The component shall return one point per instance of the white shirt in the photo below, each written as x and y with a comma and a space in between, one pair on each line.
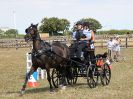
116, 45
85, 32
110, 44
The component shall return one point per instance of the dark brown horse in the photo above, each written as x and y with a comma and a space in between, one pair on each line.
44, 55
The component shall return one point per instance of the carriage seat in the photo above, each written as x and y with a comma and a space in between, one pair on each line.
100, 58
104, 55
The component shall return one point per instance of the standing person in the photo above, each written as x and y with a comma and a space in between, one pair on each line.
110, 48
116, 47
118, 42
81, 38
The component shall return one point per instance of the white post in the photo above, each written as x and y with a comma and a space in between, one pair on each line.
29, 62
46, 74
42, 74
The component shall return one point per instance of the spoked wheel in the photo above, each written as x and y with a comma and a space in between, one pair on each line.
105, 74
92, 76
72, 75
56, 76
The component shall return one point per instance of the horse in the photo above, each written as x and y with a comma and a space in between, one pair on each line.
44, 55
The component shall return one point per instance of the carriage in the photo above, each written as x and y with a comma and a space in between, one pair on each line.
66, 67
81, 67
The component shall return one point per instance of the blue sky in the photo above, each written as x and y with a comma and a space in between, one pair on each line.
112, 14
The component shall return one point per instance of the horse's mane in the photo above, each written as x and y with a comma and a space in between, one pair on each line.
104, 55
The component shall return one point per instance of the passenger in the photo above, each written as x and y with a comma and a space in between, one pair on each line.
81, 38
91, 39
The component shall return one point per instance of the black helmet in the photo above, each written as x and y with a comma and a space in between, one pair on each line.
79, 23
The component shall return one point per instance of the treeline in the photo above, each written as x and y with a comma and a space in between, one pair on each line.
11, 33
112, 32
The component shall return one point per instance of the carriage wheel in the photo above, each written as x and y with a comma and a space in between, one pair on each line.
55, 77
72, 75
92, 76
105, 74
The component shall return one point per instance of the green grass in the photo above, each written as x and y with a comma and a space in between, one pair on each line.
13, 68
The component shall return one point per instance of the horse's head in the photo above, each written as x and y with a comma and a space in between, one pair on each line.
31, 32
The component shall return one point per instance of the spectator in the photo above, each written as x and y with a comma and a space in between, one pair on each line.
116, 47
110, 48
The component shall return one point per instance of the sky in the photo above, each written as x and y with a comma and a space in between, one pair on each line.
112, 14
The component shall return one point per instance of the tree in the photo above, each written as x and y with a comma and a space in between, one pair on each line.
1, 32
114, 31
11, 33
53, 25
94, 24
65, 24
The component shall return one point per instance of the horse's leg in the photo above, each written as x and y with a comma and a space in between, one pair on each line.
49, 79
32, 70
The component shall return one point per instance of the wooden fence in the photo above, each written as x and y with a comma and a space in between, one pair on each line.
13, 43
100, 42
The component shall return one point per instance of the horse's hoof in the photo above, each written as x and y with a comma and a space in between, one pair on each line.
22, 92
62, 87
52, 91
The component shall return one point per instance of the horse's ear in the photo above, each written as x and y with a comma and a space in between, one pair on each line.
31, 24
36, 24
26, 30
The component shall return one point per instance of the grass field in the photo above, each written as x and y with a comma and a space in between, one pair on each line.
13, 68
